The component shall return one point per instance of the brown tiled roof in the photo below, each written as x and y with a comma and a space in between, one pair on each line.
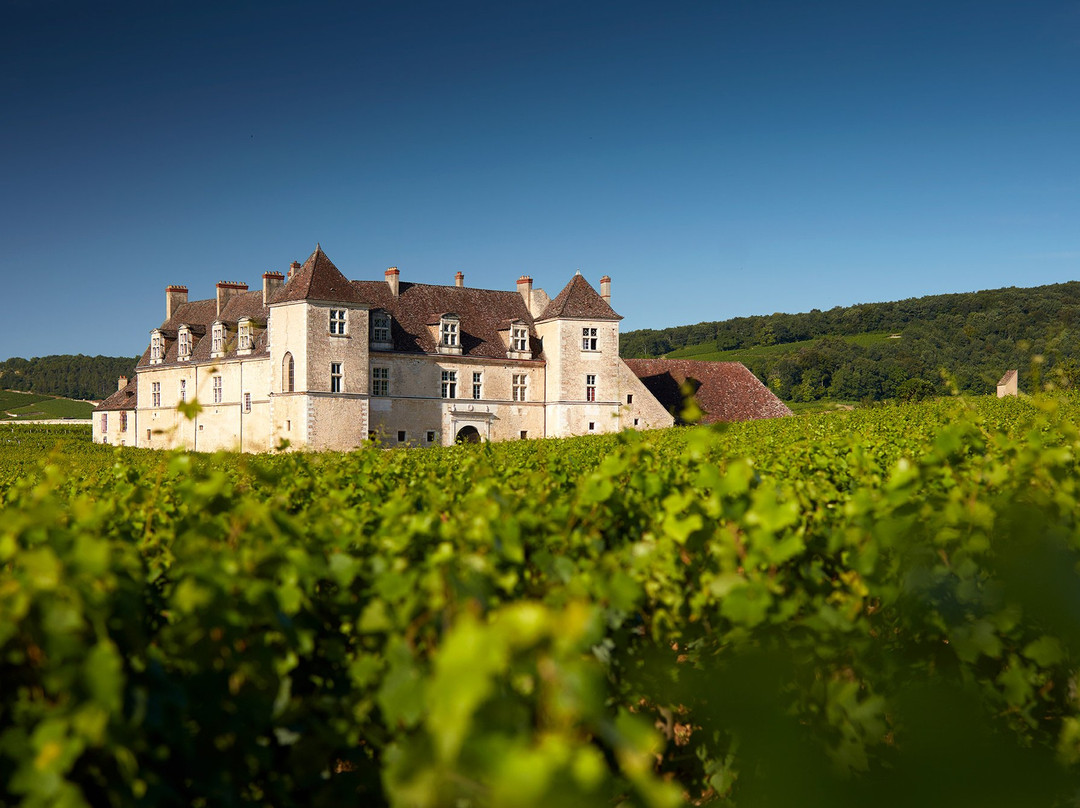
124, 399
482, 314
318, 279
1009, 376
727, 391
200, 316
578, 299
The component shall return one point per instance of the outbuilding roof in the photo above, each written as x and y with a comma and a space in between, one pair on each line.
726, 391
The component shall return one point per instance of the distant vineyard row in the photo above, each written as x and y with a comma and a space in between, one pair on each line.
870, 608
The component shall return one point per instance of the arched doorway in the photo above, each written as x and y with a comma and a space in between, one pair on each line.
467, 434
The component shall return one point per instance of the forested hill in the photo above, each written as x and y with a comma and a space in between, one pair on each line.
89, 377
905, 349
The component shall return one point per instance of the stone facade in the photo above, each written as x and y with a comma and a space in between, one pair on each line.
321, 362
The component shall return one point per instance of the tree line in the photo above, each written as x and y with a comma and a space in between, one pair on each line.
962, 342
78, 376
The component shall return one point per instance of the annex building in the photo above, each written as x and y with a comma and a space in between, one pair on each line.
325, 362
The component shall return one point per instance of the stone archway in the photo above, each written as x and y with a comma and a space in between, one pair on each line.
467, 434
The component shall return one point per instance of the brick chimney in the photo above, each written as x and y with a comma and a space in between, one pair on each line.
121, 383
175, 296
392, 277
225, 290
272, 281
524, 286
295, 265
459, 279
605, 289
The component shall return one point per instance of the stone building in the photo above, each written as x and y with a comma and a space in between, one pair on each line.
323, 362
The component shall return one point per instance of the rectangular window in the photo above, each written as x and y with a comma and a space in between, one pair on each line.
380, 381
635, 422
431, 436
519, 338
588, 339
518, 385
590, 387
449, 384
335, 377
157, 345
148, 436
380, 328
247, 339
401, 436
337, 321
183, 390
155, 394
477, 385
217, 390
185, 345
123, 422
247, 402
104, 422
218, 340
449, 332
524, 434
629, 398
592, 426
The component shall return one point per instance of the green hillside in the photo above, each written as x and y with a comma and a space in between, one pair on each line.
16, 406
70, 376
905, 349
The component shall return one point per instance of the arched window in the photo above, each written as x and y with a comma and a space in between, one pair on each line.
288, 378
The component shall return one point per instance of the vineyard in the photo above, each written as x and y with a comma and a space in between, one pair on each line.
879, 607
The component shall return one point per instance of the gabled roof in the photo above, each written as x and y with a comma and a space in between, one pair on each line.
726, 391
318, 279
123, 399
481, 314
578, 299
1008, 377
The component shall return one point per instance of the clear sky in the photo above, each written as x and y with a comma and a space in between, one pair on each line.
717, 158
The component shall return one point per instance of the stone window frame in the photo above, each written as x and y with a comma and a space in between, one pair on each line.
519, 337
381, 322
246, 338
247, 402
157, 347
339, 319
123, 422
288, 373
155, 394
449, 384
219, 389
519, 386
450, 331
590, 387
183, 351
380, 381
217, 340
477, 385
337, 377
590, 338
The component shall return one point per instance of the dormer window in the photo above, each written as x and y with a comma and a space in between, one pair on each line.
157, 347
448, 331
184, 340
217, 344
449, 334
519, 338
246, 340
380, 330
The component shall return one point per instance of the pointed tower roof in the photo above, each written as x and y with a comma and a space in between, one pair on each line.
578, 299
318, 279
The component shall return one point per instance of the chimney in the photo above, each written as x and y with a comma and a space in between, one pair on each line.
525, 288
392, 276
272, 281
295, 265
121, 383
175, 296
459, 279
605, 289
225, 290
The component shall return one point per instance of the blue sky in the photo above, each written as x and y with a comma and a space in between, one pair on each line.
717, 159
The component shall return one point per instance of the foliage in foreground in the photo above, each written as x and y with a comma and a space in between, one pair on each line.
879, 607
